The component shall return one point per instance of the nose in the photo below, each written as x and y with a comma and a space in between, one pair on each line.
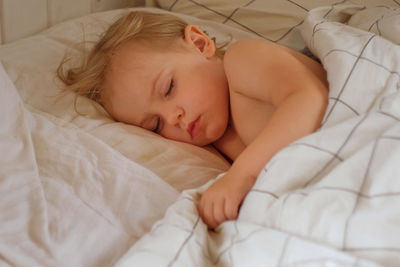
175, 115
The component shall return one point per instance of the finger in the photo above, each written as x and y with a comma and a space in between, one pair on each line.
202, 207
231, 210
203, 203
219, 211
209, 215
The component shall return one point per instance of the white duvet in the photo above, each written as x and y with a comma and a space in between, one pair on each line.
329, 199
68, 199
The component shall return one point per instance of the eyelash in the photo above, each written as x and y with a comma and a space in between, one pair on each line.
167, 93
171, 86
156, 129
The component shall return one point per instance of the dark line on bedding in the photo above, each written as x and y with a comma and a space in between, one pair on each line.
290, 30
249, 3
333, 7
389, 115
337, 153
172, 6
372, 25
357, 201
222, 15
377, 26
364, 58
184, 243
359, 194
264, 192
398, 3
348, 78
329, 11
229, 18
347, 190
236, 9
318, 148
378, 29
251, 30
296, 4
206, 7
316, 25
345, 104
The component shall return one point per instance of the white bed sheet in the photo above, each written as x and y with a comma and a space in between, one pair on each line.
71, 194
68, 199
31, 64
329, 199
78, 190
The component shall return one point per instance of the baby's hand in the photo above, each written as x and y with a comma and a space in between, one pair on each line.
221, 201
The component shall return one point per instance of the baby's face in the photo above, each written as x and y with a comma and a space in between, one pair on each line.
182, 95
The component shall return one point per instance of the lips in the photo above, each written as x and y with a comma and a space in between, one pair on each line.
194, 127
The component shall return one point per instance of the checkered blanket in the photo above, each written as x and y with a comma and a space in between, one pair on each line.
329, 199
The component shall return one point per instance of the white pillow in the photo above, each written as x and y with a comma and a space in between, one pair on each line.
31, 64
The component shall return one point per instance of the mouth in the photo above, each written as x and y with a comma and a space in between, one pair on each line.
194, 127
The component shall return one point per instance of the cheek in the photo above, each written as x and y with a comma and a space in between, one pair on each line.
223, 116
173, 134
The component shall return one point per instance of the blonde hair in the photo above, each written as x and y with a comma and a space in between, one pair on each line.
87, 79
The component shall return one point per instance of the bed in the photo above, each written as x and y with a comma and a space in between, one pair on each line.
84, 190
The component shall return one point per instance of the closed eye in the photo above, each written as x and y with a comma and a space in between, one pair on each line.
156, 128
171, 86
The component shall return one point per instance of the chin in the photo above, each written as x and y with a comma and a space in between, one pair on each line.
216, 133
203, 141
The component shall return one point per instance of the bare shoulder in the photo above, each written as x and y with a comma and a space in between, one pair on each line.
243, 54
250, 45
252, 63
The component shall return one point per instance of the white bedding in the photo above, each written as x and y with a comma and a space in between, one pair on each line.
329, 199
78, 190
66, 197
31, 64
71, 193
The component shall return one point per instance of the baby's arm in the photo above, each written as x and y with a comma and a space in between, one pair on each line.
263, 71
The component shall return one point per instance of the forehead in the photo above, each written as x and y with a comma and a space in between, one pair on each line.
132, 55
133, 70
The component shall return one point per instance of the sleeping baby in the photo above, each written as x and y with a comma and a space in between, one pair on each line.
157, 72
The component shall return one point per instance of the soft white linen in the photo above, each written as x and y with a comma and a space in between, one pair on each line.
329, 199
68, 199
71, 192
31, 64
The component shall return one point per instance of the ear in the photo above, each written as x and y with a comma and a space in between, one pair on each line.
198, 39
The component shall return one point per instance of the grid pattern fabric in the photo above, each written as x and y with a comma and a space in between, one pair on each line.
274, 20
329, 199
